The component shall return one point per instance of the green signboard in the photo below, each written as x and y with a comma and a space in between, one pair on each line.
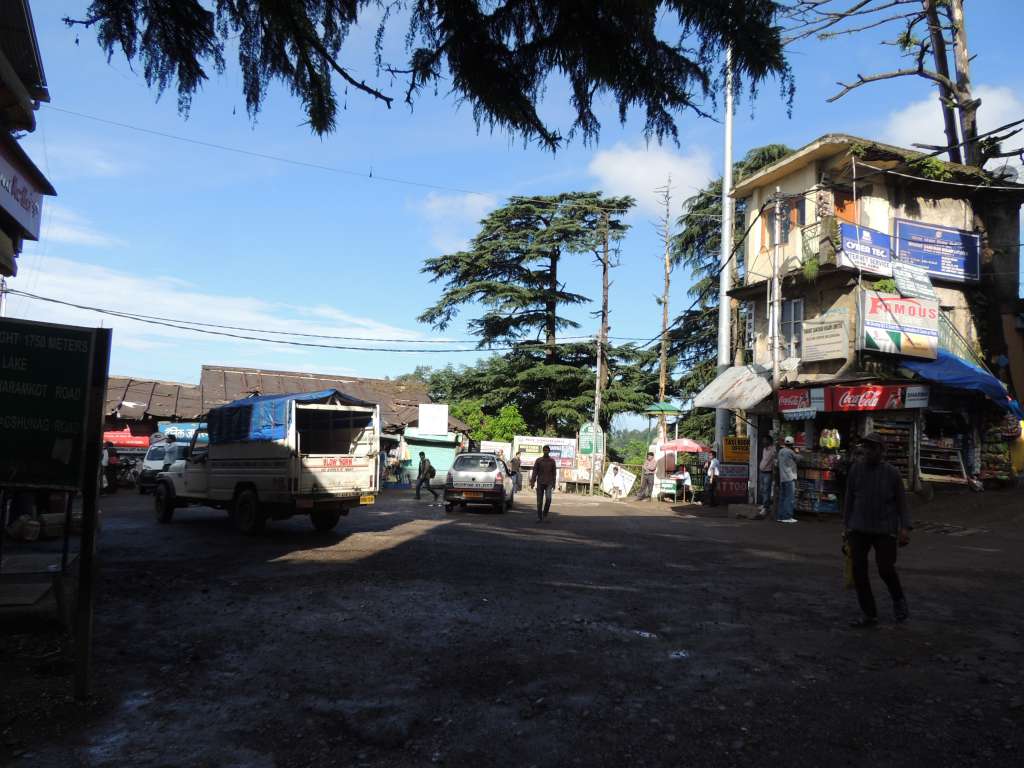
587, 440
45, 373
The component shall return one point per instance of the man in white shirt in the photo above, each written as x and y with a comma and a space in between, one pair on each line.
787, 482
711, 483
687, 484
766, 469
618, 484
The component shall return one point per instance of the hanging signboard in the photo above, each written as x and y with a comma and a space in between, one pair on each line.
913, 282
802, 399
736, 449
876, 397
182, 431
867, 250
824, 338
946, 253
123, 438
45, 393
563, 449
899, 326
587, 439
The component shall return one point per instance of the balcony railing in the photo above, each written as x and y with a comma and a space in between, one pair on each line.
954, 343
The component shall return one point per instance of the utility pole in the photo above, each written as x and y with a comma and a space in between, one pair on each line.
776, 317
3, 297
602, 334
724, 273
666, 239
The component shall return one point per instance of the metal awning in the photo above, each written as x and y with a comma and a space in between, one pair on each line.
737, 388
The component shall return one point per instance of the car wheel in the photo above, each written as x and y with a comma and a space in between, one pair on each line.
247, 515
163, 503
324, 520
449, 508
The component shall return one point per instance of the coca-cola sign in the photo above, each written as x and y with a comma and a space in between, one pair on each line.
794, 399
873, 397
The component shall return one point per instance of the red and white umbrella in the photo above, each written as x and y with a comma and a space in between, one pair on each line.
683, 445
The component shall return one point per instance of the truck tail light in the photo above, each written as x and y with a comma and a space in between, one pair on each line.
498, 479
450, 478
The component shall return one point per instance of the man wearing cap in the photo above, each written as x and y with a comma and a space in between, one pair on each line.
875, 515
787, 482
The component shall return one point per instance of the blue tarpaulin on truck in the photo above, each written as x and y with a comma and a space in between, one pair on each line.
265, 417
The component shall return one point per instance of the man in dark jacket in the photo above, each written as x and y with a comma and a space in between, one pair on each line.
875, 515
423, 476
544, 477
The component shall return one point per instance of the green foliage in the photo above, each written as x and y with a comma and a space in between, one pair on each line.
932, 168
507, 424
885, 285
810, 267
858, 149
497, 55
471, 412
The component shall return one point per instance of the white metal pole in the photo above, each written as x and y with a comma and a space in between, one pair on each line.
3, 297
725, 273
777, 292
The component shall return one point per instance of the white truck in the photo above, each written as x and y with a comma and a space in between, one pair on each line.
272, 457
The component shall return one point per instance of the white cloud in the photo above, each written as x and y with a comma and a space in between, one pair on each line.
77, 160
453, 218
639, 170
62, 225
920, 122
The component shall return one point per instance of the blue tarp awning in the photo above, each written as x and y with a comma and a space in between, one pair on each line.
265, 417
951, 371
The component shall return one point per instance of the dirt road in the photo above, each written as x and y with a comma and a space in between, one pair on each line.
613, 635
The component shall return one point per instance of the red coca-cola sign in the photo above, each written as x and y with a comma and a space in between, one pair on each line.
794, 399
866, 397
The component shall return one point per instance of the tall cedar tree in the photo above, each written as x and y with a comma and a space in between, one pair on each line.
697, 246
658, 57
511, 272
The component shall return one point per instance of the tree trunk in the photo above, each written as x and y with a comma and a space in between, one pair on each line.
966, 103
946, 98
551, 331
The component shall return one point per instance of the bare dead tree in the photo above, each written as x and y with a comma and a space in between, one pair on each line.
664, 228
927, 31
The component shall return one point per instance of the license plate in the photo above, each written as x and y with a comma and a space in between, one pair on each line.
473, 495
366, 499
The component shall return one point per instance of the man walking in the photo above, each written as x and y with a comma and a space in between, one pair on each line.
787, 482
647, 478
875, 514
543, 478
515, 466
425, 475
711, 473
765, 470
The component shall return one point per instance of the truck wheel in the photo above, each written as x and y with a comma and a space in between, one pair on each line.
324, 520
163, 503
247, 515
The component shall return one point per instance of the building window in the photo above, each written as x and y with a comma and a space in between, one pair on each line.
792, 326
792, 218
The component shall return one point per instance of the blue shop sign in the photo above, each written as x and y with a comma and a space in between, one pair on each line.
864, 249
181, 431
947, 253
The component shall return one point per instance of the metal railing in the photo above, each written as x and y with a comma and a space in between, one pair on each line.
951, 340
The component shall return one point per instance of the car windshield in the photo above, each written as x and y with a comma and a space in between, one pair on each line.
476, 463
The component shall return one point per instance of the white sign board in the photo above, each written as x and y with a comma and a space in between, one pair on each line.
899, 326
563, 449
433, 419
628, 478
825, 339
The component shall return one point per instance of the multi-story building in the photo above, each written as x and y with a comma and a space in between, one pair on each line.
899, 277
22, 88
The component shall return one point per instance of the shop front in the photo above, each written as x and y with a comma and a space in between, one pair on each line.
827, 422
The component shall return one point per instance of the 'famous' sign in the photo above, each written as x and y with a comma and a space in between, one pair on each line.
898, 325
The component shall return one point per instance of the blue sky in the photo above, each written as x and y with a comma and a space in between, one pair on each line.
162, 227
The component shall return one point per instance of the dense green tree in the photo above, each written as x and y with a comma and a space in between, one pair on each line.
697, 246
507, 424
659, 57
511, 273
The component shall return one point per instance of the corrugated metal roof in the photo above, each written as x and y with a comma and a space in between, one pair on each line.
135, 399
736, 388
